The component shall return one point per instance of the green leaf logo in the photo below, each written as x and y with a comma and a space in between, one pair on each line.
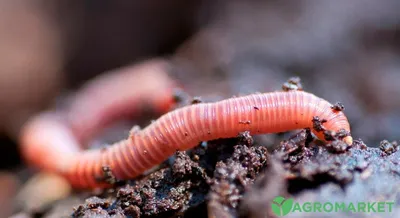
281, 206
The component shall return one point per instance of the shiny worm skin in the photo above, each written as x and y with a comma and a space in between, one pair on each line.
120, 94
48, 139
184, 128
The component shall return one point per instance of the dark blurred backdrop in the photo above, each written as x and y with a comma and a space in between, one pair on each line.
343, 50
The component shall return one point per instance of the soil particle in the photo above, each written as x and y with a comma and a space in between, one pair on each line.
182, 98
246, 138
387, 147
95, 202
335, 143
337, 146
338, 106
296, 148
196, 100
329, 135
359, 144
342, 133
293, 83
318, 124
93, 207
108, 177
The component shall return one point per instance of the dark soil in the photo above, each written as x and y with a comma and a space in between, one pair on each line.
234, 178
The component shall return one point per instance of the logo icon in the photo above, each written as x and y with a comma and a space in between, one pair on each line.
281, 206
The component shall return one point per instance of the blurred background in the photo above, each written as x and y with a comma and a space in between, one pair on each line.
345, 51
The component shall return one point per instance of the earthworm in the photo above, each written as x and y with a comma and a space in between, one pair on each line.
119, 94
183, 129
51, 136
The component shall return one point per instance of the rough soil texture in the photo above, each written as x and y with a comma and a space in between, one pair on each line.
239, 178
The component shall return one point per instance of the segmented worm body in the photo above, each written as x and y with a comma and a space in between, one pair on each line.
184, 128
51, 138
120, 94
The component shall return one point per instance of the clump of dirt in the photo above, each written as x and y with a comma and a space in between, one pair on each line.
163, 193
293, 83
232, 176
215, 173
338, 106
357, 175
388, 148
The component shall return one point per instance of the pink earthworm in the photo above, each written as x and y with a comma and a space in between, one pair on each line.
120, 94
182, 129
117, 95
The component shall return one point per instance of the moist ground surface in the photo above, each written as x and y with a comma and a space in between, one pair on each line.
239, 177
